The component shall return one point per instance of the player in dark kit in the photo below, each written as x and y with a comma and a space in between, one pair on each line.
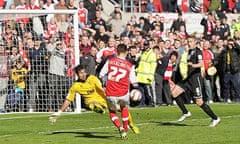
193, 83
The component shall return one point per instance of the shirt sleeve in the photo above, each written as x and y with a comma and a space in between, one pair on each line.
132, 76
199, 56
104, 70
71, 93
99, 55
99, 87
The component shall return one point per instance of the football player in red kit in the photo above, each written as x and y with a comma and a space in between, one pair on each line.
120, 74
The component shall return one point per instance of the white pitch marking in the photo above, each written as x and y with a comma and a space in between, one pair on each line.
22, 117
140, 124
33, 116
5, 136
107, 127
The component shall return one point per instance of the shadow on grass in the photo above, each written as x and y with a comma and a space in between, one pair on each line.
175, 123
85, 134
172, 124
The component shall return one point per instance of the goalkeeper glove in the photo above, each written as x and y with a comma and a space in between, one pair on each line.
53, 118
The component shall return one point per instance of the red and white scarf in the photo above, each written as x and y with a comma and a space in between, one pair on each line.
210, 26
168, 72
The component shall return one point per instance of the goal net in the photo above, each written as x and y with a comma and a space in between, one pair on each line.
38, 51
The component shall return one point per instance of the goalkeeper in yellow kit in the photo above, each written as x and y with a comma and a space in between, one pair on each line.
90, 88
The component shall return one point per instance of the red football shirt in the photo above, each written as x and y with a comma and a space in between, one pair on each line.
120, 74
82, 14
207, 58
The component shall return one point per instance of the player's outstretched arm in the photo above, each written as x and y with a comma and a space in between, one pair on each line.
53, 118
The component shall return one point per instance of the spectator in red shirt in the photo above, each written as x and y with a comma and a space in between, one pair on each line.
2, 4
82, 14
158, 5
85, 45
22, 6
33, 5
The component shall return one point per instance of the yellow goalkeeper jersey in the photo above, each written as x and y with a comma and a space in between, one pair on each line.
18, 76
91, 90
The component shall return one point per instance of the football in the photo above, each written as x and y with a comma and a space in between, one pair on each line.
135, 95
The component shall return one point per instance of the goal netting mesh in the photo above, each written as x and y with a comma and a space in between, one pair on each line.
38, 51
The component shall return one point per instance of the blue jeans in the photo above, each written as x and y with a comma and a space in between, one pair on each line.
15, 98
208, 88
231, 80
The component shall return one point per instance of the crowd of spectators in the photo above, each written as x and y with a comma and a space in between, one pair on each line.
45, 45
196, 6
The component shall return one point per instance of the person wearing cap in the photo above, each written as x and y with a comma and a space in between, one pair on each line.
145, 73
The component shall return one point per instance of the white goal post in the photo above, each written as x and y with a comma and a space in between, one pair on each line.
17, 14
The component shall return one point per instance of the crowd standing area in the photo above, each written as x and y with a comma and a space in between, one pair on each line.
37, 59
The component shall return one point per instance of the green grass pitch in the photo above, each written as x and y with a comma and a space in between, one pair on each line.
157, 126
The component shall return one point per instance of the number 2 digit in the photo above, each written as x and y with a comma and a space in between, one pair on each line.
116, 74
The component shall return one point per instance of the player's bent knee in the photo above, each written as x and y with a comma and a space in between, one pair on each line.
174, 95
176, 91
